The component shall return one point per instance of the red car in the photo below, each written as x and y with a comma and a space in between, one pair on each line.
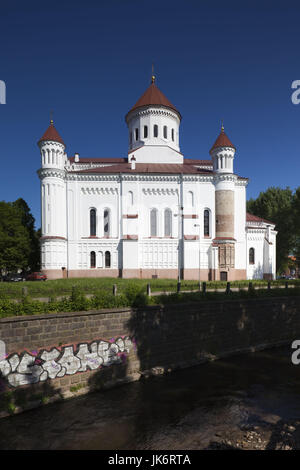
36, 277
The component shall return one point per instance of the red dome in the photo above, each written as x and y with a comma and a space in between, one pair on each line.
52, 134
153, 96
222, 141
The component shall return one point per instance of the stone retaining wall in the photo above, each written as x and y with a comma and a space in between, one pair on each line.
54, 356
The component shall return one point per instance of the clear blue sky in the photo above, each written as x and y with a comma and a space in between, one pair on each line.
90, 61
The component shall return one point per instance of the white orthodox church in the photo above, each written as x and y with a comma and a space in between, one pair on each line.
153, 213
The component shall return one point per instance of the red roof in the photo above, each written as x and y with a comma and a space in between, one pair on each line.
153, 96
192, 161
187, 161
170, 168
99, 160
222, 141
254, 218
52, 134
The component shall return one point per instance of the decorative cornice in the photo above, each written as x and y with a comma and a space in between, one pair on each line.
241, 182
101, 191
152, 111
51, 143
51, 173
225, 177
221, 150
86, 177
139, 177
160, 191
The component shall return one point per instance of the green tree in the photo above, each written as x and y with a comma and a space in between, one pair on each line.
28, 221
277, 205
296, 214
15, 245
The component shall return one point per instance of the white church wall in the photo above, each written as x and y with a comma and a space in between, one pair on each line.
255, 239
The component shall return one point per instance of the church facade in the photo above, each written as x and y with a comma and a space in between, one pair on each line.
153, 213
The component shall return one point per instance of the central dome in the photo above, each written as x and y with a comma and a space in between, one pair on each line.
153, 124
154, 97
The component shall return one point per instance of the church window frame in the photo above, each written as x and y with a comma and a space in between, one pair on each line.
251, 255
145, 132
155, 130
207, 222
153, 222
165, 132
92, 259
107, 259
106, 222
168, 222
93, 222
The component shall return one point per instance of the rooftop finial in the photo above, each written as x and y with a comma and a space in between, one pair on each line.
51, 117
222, 126
153, 76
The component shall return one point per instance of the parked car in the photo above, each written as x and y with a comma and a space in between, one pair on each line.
37, 276
13, 277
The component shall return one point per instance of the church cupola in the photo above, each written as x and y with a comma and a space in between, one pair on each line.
52, 148
222, 153
153, 122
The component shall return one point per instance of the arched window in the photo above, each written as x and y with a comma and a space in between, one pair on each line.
136, 134
165, 132
155, 130
130, 198
92, 222
153, 223
173, 135
251, 256
145, 132
190, 198
107, 259
106, 222
168, 222
206, 223
93, 259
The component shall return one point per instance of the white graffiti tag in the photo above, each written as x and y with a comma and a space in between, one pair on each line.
89, 360
27, 372
27, 369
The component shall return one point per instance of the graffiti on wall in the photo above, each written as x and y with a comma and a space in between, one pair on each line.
38, 366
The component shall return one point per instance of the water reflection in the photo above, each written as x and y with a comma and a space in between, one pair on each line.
250, 401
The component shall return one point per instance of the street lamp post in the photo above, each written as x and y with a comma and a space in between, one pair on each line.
180, 240
198, 225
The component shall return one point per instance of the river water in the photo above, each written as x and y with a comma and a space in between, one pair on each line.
245, 402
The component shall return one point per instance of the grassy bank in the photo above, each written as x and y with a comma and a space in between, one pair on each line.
92, 286
133, 295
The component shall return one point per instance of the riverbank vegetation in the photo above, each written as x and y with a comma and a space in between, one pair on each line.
133, 294
92, 286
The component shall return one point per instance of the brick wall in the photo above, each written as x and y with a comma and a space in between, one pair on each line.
116, 346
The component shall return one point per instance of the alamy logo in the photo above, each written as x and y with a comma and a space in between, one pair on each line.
2, 92
296, 94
